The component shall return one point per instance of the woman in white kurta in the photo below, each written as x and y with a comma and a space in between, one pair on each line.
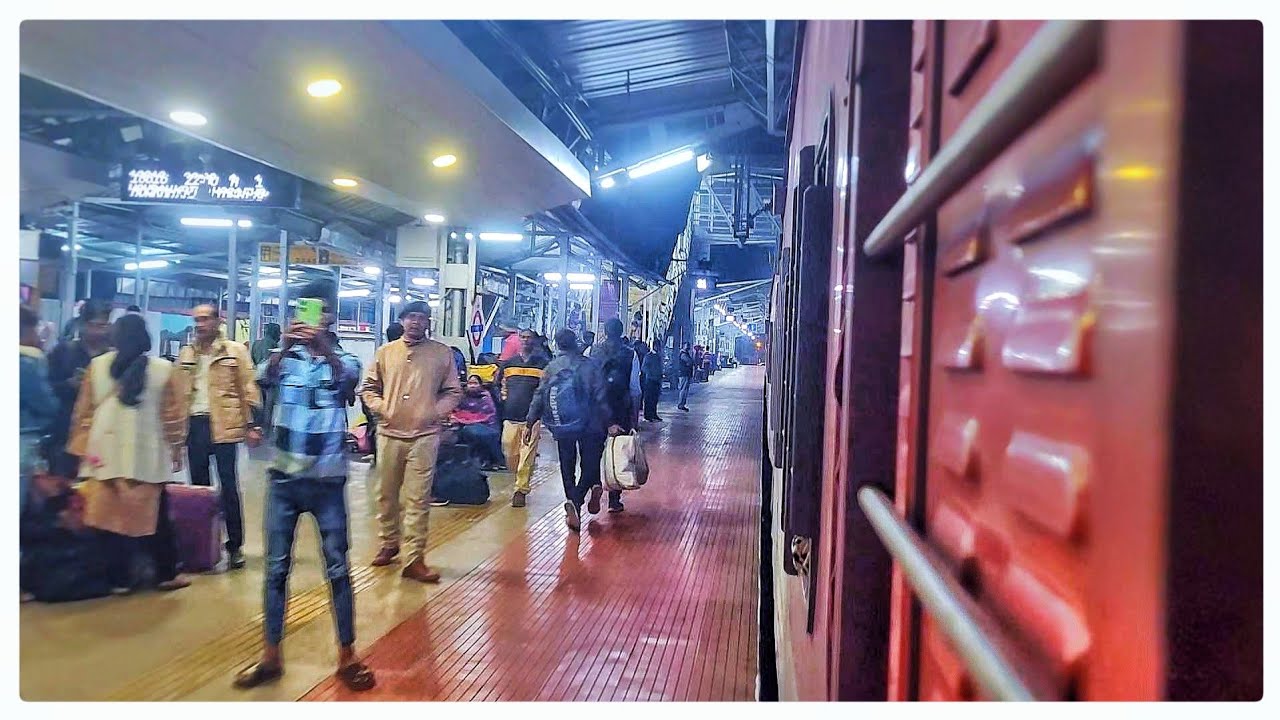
128, 429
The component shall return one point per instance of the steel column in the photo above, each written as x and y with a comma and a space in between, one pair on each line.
69, 287
137, 268
233, 276
283, 314
562, 308
255, 295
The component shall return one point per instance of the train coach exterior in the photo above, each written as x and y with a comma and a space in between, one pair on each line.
1023, 460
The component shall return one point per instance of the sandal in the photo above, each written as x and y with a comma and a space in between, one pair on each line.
257, 674
357, 677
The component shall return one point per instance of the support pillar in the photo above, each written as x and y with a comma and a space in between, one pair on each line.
562, 302
233, 276
69, 286
255, 295
137, 268
282, 316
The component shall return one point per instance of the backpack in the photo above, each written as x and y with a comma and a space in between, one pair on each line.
568, 413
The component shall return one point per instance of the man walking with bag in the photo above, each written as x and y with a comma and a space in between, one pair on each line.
412, 388
224, 403
572, 404
617, 364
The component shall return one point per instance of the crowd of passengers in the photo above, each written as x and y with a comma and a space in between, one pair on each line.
105, 428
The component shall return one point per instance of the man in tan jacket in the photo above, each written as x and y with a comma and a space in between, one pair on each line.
224, 403
411, 387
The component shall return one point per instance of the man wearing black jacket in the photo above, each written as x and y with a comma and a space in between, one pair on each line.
518, 378
615, 359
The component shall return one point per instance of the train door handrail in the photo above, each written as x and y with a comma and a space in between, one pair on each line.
1055, 60
973, 633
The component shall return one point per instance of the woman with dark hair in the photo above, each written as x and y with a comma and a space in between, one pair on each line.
477, 419
128, 429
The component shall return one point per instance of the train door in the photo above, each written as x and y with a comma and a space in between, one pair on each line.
1045, 468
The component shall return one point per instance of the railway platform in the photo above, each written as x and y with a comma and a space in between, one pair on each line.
656, 603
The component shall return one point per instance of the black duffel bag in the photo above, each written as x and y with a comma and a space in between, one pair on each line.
458, 477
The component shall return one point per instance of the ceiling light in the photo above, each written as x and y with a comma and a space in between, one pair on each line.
433, 296
433, 218
147, 265
581, 286
79, 247
345, 182
579, 277
608, 182
393, 299
268, 283
704, 162
245, 223
354, 293
188, 117
206, 222
702, 283
372, 270
660, 163
729, 318
324, 88
424, 282
453, 236
444, 161
469, 236
433, 303
551, 276
501, 236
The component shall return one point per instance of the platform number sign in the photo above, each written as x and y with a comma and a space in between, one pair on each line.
477, 327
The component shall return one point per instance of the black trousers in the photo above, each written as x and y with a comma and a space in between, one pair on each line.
649, 397
200, 449
160, 548
590, 449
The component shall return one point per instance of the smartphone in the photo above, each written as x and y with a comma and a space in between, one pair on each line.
310, 311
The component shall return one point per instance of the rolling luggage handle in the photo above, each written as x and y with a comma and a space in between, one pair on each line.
972, 632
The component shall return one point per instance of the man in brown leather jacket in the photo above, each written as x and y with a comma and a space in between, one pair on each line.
225, 405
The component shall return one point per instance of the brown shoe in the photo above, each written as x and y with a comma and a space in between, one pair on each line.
386, 556
418, 570
517, 500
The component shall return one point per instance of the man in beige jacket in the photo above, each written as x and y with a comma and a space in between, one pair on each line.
411, 387
224, 402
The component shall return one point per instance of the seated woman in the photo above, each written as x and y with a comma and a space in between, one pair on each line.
476, 418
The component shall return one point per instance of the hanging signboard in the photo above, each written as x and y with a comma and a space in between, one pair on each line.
476, 330
248, 185
269, 254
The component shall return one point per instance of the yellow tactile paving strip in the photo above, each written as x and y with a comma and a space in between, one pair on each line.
181, 676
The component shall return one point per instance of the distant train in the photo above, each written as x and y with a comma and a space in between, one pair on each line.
1013, 444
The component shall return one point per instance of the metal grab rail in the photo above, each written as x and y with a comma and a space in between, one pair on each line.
973, 633
1057, 58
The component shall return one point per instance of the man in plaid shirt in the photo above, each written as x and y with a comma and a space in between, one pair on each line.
313, 378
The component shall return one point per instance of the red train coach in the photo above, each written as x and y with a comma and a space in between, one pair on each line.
1013, 442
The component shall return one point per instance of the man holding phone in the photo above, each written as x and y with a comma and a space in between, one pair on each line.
308, 474
412, 387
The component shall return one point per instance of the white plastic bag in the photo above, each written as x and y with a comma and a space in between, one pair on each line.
623, 465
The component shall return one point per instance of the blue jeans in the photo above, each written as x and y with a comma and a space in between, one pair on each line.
685, 382
326, 500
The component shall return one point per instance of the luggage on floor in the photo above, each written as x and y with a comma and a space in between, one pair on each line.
360, 440
458, 478
623, 465
59, 560
196, 513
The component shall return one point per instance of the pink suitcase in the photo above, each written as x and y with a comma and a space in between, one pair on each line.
196, 513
